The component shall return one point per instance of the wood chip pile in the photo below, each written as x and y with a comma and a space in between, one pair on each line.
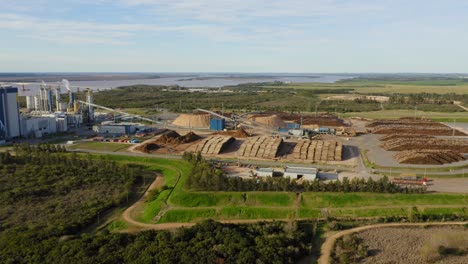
401, 144
318, 150
214, 144
273, 121
173, 138
193, 120
260, 147
148, 147
435, 157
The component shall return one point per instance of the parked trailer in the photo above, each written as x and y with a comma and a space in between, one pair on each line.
410, 180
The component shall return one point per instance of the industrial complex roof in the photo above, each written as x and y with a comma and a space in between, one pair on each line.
303, 170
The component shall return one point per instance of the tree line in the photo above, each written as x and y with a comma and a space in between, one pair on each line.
206, 177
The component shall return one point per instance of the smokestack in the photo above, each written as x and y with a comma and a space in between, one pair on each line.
58, 105
89, 100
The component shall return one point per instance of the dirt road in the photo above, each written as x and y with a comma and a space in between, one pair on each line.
327, 247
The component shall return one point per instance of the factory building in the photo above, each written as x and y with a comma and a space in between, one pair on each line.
264, 172
9, 114
110, 127
305, 173
38, 126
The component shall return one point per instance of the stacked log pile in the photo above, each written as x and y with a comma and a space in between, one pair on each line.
260, 147
214, 144
318, 150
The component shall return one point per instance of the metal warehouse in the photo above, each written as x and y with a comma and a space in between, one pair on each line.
309, 174
265, 172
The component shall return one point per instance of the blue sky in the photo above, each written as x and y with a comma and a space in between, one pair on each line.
234, 36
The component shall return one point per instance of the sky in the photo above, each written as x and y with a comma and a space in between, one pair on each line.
308, 36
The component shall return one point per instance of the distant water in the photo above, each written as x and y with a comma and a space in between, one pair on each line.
193, 81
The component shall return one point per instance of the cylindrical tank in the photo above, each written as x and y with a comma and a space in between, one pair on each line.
37, 103
30, 103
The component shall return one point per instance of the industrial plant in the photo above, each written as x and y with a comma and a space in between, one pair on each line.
46, 112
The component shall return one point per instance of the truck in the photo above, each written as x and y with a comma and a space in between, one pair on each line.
409, 179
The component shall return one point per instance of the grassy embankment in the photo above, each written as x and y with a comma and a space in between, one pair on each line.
103, 146
187, 206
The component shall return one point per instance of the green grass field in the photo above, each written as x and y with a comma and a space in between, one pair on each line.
187, 206
387, 87
104, 146
395, 114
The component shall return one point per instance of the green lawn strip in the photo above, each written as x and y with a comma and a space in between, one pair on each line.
187, 216
343, 200
226, 213
104, 146
386, 212
195, 199
239, 212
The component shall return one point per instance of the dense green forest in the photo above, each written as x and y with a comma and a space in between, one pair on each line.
207, 242
267, 97
41, 189
205, 177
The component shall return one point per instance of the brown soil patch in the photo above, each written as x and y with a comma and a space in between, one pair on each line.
435, 157
413, 244
193, 120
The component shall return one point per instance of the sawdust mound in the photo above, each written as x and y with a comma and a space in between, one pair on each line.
239, 133
269, 120
433, 157
193, 120
173, 138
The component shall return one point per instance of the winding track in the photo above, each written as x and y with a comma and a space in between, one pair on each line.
327, 247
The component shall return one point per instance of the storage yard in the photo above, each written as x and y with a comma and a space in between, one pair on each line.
420, 141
